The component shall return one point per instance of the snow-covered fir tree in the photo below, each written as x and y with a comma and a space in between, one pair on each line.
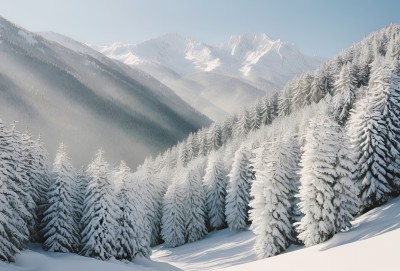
270, 215
22, 167
238, 190
80, 185
195, 203
215, 136
99, 212
40, 163
154, 189
138, 214
130, 233
14, 184
173, 213
346, 193
60, 223
318, 177
345, 91
8, 226
375, 130
215, 183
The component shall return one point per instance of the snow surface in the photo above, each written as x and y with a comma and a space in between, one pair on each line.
372, 244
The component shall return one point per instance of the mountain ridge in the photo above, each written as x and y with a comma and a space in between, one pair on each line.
58, 92
253, 58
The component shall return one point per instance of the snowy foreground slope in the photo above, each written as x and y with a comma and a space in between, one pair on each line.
371, 245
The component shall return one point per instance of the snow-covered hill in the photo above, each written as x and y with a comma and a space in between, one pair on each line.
370, 245
249, 66
74, 94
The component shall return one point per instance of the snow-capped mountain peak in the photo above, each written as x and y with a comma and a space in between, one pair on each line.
239, 45
243, 67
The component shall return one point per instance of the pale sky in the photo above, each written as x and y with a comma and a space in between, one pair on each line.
316, 27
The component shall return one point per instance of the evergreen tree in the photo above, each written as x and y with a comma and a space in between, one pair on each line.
14, 183
79, 187
345, 92
293, 167
130, 238
154, 190
182, 155
173, 220
203, 142
215, 136
99, 212
215, 185
8, 226
271, 191
317, 179
375, 127
238, 191
60, 224
20, 147
285, 100
195, 204
346, 200
138, 216
42, 172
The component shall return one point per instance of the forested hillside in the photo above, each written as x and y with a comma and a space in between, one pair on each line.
298, 166
86, 99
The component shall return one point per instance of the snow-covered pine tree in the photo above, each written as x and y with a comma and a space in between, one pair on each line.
203, 142
322, 83
215, 183
173, 213
285, 99
14, 184
318, 175
270, 215
60, 224
99, 210
215, 136
293, 166
154, 190
346, 195
261, 113
238, 190
195, 204
130, 233
243, 125
374, 129
140, 225
29, 169
191, 148
42, 173
7, 223
345, 91
21, 174
182, 155
79, 190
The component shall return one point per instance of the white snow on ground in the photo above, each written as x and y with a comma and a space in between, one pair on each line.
371, 245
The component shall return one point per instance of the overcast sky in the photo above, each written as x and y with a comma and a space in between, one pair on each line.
316, 27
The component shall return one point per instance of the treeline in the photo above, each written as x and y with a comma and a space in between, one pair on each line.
297, 165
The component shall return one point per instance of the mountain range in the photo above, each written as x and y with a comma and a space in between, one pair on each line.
216, 79
87, 100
